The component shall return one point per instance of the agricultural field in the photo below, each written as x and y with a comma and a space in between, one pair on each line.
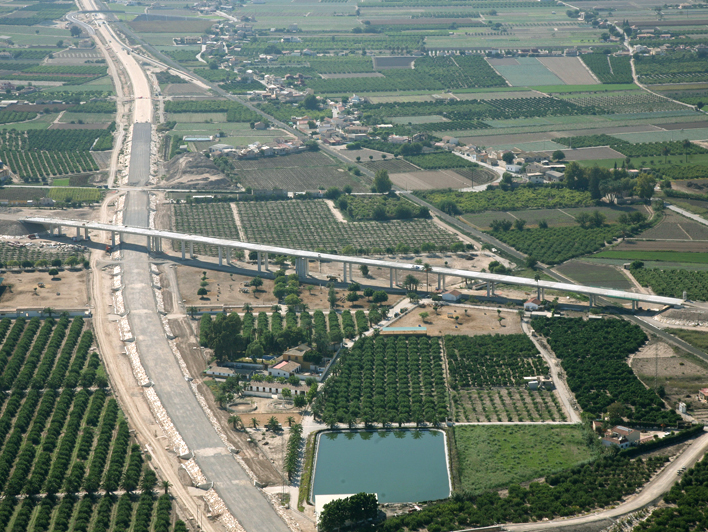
675, 257
554, 245
525, 72
60, 194
608, 68
593, 355
498, 200
207, 219
14, 255
683, 66
574, 490
674, 283
570, 70
625, 102
486, 378
553, 217
63, 434
310, 224
675, 227
384, 207
386, 380
36, 154
492, 457
297, 172
590, 274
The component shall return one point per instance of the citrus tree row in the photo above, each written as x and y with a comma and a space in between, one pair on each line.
386, 380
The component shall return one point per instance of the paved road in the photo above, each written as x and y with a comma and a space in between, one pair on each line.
71, 17
688, 214
139, 169
667, 337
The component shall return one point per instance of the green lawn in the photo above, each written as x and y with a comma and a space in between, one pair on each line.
495, 456
668, 256
63, 182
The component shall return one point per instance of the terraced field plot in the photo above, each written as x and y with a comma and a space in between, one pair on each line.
62, 434
311, 225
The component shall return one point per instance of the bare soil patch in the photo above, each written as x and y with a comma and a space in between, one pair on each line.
384, 62
469, 322
67, 290
685, 125
194, 170
681, 374
569, 69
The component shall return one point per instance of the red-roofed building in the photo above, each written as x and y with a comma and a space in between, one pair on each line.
533, 304
703, 395
284, 369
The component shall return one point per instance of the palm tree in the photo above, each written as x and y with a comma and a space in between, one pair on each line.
254, 422
192, 311
247, 307
48, 311
166, 485
665, 152
235, 421
686, 146
290, 421
427, 268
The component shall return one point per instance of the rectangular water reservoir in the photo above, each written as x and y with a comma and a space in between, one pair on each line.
398, 465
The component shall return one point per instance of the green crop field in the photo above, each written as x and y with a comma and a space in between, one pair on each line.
596, 275
492, 457
668, 256
309, 224
673, 283
528, 73
553, 217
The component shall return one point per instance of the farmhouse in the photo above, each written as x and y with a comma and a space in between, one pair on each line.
621, 436
268, 389
452, 296
533, 304
703, 395
298, 354
224, 372
284, 369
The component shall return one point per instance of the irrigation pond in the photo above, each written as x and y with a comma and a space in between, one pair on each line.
399, 465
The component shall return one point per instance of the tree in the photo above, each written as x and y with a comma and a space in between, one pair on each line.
645, 186
236, 422
686, 145
519, 224
290, 421
508, 157
382, 183
254, 422
299, 401
427, 268
254, 351
75, 31
166, 486
410, 282
256, 283
273, 424
449, 207
53, 272
665, 151
310, 102
352, 297
332, 297
202, 292
286, 393
583, 218
364, 269
292, 300
379, 297
558, 155
424, 316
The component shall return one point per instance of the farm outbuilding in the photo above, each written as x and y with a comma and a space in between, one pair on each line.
284, 369
452, 296
533, 304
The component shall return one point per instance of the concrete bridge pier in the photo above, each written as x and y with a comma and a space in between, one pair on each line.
351, 277
191, 250
260, 264
113, 239
221, 258
265, 260
183, 249
86, 235
439, 281
344, 279
390, 281
591, 298
78, 231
